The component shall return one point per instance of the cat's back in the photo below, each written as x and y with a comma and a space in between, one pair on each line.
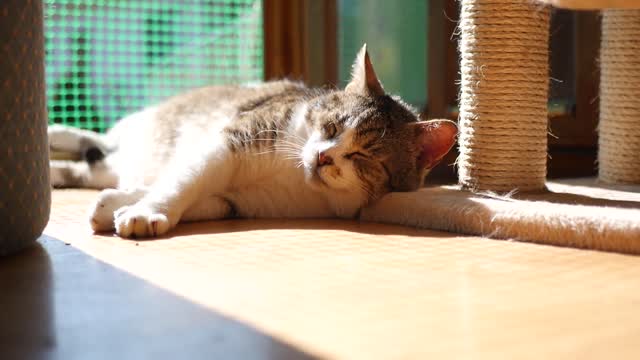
222, 100
199, 112
205, 110
152, 137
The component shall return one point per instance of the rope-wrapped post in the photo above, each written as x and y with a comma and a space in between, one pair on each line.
619, 128
503, 95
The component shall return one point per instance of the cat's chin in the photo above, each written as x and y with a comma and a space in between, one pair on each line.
318, 182
315, 181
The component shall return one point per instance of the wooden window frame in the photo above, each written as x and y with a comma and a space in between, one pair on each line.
292, 49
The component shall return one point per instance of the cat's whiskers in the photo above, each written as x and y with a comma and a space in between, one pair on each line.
287, 153
288, 146
286, 134
290, 151
298, 140
281, 141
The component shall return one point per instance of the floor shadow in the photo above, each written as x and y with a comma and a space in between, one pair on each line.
449, 212
462, 199
27, 329
577, 199
571, 192
229, 226
594, 183
60, 303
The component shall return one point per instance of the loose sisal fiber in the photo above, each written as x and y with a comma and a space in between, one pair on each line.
503, 95
619, 129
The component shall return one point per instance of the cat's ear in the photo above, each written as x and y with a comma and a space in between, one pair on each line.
435, 138
364, 80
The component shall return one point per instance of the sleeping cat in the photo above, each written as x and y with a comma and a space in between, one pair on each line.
277, 149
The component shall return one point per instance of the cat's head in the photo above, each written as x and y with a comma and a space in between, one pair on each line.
365, 141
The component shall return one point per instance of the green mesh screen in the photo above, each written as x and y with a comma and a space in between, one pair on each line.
396, 34
108, 58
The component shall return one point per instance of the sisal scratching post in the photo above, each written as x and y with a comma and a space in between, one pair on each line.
619, 129
503, 96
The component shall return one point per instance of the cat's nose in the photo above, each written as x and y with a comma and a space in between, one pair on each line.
324, 159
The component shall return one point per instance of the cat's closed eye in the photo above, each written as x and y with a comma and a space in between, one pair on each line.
330, 130
351, 155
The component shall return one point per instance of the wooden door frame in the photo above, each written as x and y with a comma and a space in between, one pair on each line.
442, 72
300, 41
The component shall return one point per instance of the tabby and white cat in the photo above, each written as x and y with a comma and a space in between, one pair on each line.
278, 149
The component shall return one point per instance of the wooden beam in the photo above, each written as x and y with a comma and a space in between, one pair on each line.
442, 55
300, 40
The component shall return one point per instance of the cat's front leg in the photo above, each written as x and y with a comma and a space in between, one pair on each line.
158, 211
181, 188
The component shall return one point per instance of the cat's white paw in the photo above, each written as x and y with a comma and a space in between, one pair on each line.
141, 220
102, 212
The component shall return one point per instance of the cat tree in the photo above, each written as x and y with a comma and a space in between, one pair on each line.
619, 153
503, 96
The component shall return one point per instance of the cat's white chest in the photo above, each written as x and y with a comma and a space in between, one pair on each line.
270, 188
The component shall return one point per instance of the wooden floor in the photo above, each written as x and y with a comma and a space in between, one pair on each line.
311, 289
